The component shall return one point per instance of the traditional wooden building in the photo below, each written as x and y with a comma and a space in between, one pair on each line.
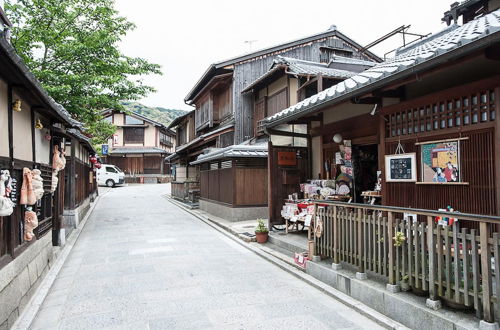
139, 146
407, 142
225, 113
33, 130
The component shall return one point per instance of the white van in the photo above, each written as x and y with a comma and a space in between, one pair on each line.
110, 175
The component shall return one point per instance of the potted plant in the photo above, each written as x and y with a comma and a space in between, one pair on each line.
261, 232
405, 286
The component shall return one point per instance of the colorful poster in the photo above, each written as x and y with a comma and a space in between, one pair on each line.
440, 162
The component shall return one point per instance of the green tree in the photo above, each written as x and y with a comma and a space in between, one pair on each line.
71, 46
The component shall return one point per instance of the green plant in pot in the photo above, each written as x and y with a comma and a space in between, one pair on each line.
405, 286
261, 231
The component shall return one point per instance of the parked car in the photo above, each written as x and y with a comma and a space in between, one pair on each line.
110, 176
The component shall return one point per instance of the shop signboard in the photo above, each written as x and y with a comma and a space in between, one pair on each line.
287, 158
105, 149
401, 168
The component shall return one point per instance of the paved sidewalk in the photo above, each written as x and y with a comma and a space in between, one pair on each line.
143, 263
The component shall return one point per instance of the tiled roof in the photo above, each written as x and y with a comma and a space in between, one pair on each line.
234, 151
83, 138
137, 150
350, 60
298, 67
408, 61
301, 67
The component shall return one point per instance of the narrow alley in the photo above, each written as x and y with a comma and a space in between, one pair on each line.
143, 263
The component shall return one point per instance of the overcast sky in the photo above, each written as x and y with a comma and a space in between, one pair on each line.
186, 36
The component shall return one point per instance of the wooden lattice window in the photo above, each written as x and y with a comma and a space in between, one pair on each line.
454, 112
133, 134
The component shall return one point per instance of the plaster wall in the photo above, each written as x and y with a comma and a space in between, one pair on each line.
4, 121
294, 87
119, 137
23, 148
277, 85
42, 146
118, 118
345, 111
150, 136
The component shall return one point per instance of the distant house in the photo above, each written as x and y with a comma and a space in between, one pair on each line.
139, 146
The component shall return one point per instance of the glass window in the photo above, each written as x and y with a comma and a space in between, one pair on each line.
110, 169
108, 119
129, 120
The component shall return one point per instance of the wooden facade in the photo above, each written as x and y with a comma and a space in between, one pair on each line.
235, 183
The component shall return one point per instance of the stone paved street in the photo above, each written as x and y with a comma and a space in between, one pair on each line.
143, 263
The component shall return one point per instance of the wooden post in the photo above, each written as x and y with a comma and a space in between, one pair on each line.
431, 246
390, 234
360, 242
270, 181
484, 235
13, 217
71, 176
496, 146
335, 237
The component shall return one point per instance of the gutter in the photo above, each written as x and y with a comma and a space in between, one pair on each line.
426, 65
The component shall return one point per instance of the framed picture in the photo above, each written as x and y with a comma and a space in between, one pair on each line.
441, 162
401, 168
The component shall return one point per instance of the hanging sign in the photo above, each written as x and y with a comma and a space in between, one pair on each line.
287, 158
401, 168
105, 149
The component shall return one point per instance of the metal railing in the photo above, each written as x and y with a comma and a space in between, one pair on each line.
459, 265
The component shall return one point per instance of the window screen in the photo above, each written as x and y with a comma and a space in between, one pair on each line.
133, 134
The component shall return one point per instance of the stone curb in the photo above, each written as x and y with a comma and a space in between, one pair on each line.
299, 273
29, 313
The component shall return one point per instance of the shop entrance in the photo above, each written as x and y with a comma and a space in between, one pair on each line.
365, 166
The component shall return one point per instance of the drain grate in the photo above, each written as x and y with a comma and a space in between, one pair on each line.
248, 234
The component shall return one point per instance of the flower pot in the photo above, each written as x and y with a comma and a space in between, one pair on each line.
261, 237
405, 286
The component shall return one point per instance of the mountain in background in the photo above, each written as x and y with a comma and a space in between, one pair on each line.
159, 114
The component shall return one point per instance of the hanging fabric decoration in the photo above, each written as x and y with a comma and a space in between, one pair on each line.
55, 181
38, 184
57, 163
30, 223
63, 159
27, 194
6, 205
318, 227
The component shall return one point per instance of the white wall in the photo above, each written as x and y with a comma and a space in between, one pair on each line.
42, 146
23, 148
4, 120
345, 111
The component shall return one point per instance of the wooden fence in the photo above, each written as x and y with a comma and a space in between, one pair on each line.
186, 191
458, 265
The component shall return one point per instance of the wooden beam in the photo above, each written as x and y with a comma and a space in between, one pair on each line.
366, 100
271, 131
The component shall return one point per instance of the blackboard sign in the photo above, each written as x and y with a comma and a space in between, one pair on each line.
401, 168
